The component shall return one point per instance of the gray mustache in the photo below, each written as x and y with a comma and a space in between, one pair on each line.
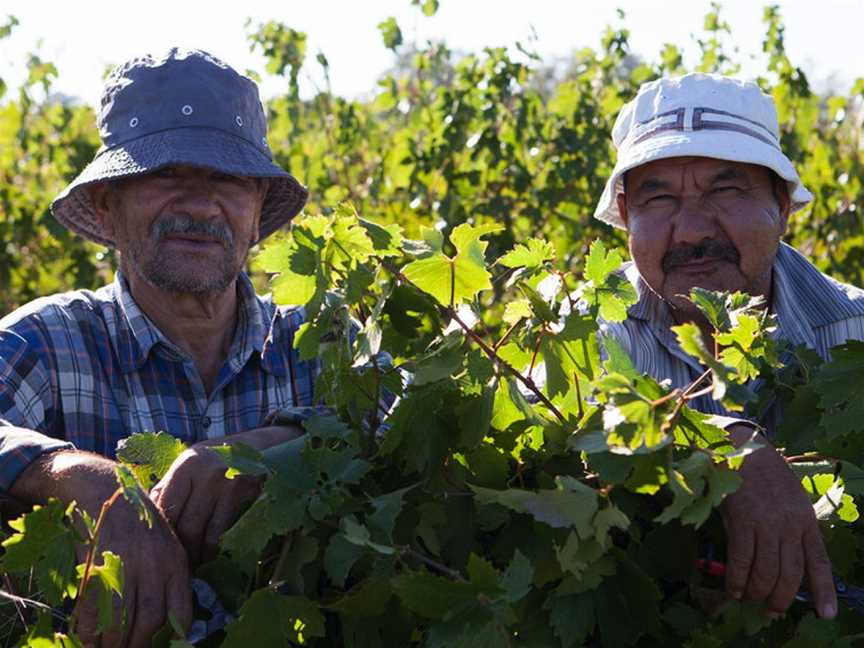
185, 225
707, 250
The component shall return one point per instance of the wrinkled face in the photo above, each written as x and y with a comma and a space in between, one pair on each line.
703, 222
183, 229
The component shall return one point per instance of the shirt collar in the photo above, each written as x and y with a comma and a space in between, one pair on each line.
137, 335
657, 314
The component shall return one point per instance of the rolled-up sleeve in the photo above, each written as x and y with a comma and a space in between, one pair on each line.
25, 401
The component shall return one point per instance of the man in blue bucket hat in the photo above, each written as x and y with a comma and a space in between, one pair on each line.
183, 186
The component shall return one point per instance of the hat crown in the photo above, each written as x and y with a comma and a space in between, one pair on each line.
180, 89
687, 102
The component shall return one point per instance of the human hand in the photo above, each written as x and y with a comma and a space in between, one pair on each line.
156, 579
773, 538
155, 569
200, 502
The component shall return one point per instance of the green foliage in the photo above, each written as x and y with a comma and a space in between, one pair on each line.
150, 455
489, 507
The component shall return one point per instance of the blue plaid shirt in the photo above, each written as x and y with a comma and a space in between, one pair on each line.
86, 369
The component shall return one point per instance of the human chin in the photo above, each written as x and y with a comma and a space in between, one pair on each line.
190, 274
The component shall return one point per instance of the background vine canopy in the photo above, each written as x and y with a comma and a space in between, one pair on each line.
474, 517
447, 137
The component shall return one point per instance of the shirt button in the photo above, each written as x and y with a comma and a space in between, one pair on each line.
205, 422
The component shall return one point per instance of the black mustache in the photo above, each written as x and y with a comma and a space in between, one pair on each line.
185, 225
707, 250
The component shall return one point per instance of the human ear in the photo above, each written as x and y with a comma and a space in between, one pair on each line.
621, 200
100, 194
784, 202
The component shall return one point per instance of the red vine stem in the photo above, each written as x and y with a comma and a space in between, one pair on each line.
528, 382
91, 556
507, 334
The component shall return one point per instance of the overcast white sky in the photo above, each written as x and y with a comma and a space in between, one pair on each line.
84, 36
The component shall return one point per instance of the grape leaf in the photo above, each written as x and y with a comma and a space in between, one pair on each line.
43, 541
516, 310
134, 493
278, 510
572, 618
386, 239
339, 557
531, 254
518, 578
368, 599
453, 280
558, 508
838, 385
149, 455
433, 597
270, 619
599, 264
107, 580
713, 306
610, 292
241, 459
348, 244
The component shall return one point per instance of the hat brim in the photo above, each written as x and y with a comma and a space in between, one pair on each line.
201, 147
728, 145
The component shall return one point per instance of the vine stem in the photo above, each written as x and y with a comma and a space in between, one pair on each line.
429, 562
536, 350
528, 382
808, 458
507, 334
91, 556
682, 399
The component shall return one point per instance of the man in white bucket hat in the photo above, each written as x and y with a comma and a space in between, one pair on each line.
704, 191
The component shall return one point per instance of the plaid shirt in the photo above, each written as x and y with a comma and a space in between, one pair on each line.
812, 310
86, 369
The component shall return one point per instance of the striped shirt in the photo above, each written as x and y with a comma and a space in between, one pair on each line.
86, 369
811, 308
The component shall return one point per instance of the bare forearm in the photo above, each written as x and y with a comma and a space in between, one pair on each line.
67, 474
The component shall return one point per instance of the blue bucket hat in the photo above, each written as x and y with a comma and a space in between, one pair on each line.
186, 107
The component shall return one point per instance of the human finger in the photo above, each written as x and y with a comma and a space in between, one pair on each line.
819, 576
789, 580
192, 524
244, 490
766, 566
178, 597
171, 494
740, 549
150, 612
86, 626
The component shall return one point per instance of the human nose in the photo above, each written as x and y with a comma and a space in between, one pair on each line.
694, 222
196, 199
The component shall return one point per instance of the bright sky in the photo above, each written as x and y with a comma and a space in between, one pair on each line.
85, 36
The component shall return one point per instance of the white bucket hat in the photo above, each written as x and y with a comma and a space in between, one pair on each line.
703, 115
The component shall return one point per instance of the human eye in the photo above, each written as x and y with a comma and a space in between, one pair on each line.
659, 198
